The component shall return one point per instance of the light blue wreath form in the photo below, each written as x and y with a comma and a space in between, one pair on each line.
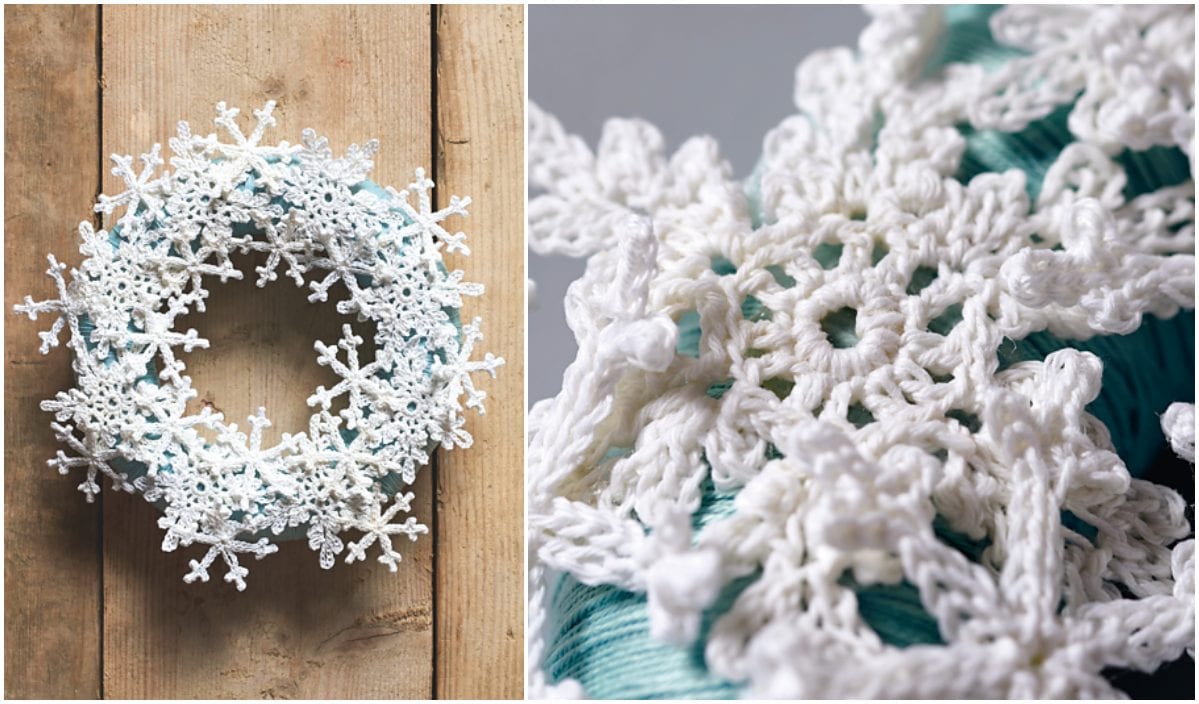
390, 483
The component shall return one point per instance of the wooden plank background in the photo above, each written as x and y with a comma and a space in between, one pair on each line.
480, 140
94, 608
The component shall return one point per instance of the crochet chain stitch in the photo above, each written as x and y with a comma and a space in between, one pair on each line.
870, 375
320, 221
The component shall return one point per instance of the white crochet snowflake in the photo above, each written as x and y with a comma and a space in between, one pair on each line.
855, 331
319, 219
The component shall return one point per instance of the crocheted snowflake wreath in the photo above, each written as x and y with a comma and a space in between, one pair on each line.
854, 429
320, 220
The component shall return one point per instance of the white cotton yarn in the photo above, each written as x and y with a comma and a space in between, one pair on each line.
1178, 423
905, 323
320, 220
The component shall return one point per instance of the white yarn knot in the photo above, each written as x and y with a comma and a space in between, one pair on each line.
647, 341
1182, 563
647, 344
1038, 277
680, 582
680, 587
1178, 423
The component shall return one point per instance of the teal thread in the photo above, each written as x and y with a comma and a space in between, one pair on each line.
718, 388
1143, 373
971, 548
689, 334
1076, 524
780, 276
778, 386
894, 612
921, 278
944, 323
602, 639
968, 420
1031, 150
753, 309
1154, 168
840, 326
722, 266
714, 505
828, 254
967, 39
859, 415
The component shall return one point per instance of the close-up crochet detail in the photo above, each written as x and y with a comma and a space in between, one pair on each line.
874, 421
319, 221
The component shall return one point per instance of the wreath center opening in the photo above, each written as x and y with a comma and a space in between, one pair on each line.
260, 352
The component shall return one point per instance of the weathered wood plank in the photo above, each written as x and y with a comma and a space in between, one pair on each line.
51, 535
480, 123
356, 631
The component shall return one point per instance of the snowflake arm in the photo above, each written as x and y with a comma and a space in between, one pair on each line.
142, 198
66, 306
95, 460
361, 383
227, 550
457, 373
378, 527
244, 153
425, 222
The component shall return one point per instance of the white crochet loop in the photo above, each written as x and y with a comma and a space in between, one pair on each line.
320, 221
845, 384
1178, 423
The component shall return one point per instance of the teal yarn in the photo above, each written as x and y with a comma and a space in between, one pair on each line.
1031, 150
604, 642
967, 39
689, 334
1143, 373
1034, 149
600, 635
1134, 393
894, 611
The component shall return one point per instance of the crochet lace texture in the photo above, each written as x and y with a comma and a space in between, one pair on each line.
847, 382
320, 222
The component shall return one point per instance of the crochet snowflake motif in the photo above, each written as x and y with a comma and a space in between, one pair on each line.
847, 382
319, 220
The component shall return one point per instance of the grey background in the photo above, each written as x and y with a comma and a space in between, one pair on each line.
725, 71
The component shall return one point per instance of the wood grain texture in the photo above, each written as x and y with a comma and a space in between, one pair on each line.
356, 631
480, 138
51, 536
